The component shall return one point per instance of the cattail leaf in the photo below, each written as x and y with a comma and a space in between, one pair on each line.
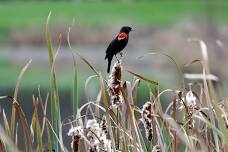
132, 121
172, 61
6, 123
106, 105
12, 126
55, 109
75, 84
6, 142
32, 128
24, 125
204, 50
88, 63
143, 78
44, 109
20, 77
142, 141
39, 134
56, 136
87, 83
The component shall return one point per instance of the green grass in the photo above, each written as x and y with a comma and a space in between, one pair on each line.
21, 15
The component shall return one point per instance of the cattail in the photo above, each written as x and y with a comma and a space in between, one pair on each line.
114, 85
94, 146
105, 144
190, 99
76, 133
147, 119
191, 105
97, 136
224, 109
156, 148
93, 134
103, 125
225, 117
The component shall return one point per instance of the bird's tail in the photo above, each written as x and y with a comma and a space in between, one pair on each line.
109, 65
106, 56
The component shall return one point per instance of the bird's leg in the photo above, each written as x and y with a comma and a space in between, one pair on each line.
121, 53
117, 59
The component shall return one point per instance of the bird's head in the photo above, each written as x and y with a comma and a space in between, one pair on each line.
126, 29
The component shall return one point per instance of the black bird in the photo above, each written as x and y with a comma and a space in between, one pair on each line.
118, 44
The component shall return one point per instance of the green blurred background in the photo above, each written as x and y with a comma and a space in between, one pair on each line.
160, 25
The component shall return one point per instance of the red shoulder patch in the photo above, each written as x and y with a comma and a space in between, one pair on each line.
122, 36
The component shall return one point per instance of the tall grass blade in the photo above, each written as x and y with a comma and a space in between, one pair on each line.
143, 78
6, 123
7, 142
12, 126
75, 90
55, 109
56, 136
24, 126
36, 125
75, 84
88, 63
44, 121
106, 106
131, 117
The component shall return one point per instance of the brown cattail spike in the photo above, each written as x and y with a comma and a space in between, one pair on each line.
191, 105
103, 125
114, 85
147, 120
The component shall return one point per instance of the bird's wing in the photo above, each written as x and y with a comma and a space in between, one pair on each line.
108, 50
109, 47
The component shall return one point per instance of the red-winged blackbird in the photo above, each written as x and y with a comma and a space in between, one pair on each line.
118, 44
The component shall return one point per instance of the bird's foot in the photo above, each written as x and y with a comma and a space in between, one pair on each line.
117, 59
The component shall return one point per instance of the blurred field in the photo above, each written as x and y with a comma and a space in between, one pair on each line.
28, 18
160, 25
26, 15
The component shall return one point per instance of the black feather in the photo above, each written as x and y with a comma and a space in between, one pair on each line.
117, 46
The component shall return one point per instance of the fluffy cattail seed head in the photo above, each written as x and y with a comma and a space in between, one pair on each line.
93, 134
97, 136
156, 148
147, 119
76, 133
103, 125
191, 105
114, 85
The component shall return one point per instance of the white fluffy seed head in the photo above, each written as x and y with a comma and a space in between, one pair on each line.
75, 131
190, 99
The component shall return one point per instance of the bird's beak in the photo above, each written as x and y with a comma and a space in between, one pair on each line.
132, 29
